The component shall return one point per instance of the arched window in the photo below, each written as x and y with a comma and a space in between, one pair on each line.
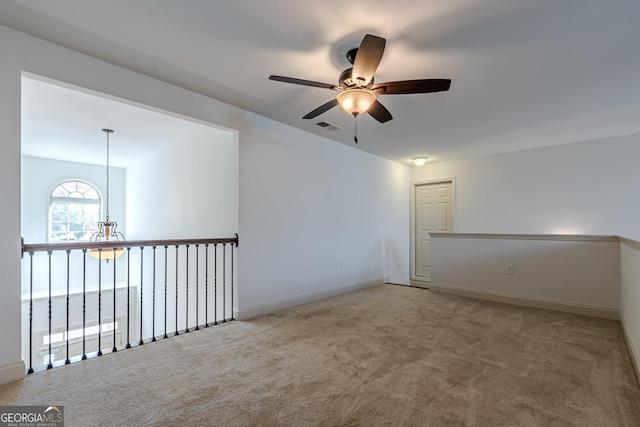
74, 211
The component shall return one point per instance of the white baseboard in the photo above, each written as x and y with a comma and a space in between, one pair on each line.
633, 354
259, 310
11, 373
586, 310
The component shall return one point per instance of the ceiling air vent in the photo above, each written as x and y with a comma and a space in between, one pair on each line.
327, 126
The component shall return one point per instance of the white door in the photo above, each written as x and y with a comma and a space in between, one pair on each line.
433, 212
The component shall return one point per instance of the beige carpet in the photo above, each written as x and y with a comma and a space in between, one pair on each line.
385, 356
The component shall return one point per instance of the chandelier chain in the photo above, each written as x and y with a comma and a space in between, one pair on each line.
107, 214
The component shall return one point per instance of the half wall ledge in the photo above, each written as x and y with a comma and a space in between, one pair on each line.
555, 237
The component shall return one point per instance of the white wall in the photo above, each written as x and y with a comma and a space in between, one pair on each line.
11, 366
187, 190
307, 203
340, 204
583, 188
571, 273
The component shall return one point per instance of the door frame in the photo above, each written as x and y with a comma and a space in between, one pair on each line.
413, 279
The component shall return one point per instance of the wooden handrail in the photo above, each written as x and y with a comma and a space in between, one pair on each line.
46, 247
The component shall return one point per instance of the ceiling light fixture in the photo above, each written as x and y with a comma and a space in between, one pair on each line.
419, 161
356, 101
107, 230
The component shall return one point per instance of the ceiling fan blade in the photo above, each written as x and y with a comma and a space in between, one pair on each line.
301, 82
368, 58
379, 112
411, 86
321, 109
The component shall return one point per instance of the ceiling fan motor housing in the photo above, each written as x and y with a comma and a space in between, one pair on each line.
346, 81
351, 55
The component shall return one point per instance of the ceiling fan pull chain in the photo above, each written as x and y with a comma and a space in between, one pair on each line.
355, 137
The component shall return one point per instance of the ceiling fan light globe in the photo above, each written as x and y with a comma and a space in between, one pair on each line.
356, 101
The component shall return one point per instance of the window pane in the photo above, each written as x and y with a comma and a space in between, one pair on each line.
59, 192
73, 207
82, 187
74, 217
70, 186
75, 212
92, 208
58, 227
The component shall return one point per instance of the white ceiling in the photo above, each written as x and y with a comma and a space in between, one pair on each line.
525, 73
64, 123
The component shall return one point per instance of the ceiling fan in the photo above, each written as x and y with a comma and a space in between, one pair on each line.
356, 88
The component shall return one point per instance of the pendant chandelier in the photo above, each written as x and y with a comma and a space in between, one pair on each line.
107, 230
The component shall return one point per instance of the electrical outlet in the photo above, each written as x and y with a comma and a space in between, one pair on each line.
511, 269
